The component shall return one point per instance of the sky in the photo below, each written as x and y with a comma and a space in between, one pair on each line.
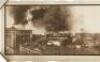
85, 19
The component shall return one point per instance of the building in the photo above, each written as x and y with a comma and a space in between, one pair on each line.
16, 38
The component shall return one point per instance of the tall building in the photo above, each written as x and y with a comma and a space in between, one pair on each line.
16, 38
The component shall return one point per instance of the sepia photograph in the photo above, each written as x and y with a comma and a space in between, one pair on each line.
52, 30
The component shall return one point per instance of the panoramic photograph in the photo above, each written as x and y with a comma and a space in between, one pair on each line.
52, 30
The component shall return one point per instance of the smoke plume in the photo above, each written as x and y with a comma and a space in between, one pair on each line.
52, 18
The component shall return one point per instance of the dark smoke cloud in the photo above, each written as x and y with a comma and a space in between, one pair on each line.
57, 20
54, 18
19, 14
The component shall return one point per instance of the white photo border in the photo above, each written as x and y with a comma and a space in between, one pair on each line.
44, 58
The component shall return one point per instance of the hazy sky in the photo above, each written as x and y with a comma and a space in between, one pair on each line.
85, 18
